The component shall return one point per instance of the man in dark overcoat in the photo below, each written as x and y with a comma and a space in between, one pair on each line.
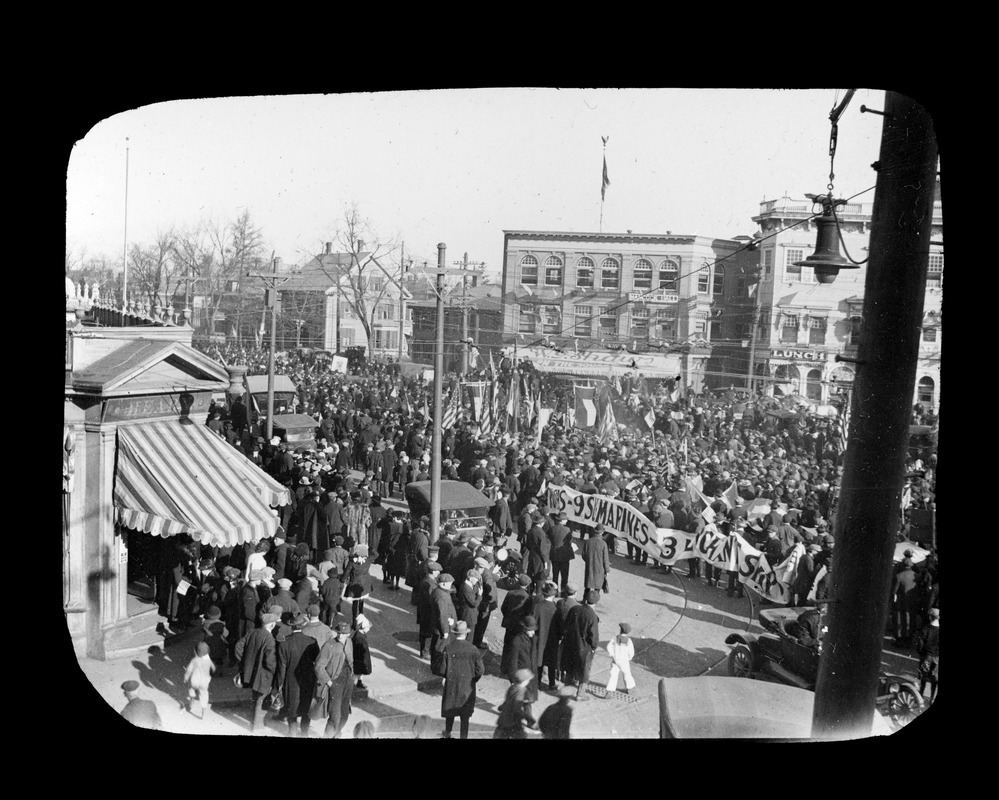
561, 550
582, 634
468, 597
596, 559
556, 720
489, 601
442, 613
330, 593
421, 597
249, 603
460, 559
545, 643
257, 658
516, 606
295, 676
462, 668
278, 556
500, 515
524, 655
537, 551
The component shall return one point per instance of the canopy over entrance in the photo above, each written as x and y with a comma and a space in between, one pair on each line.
175, 478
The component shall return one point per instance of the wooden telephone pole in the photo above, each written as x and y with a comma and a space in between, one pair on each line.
867, 517
435, 449
273, 280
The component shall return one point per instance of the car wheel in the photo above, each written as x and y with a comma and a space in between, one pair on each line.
740, 661
904, 706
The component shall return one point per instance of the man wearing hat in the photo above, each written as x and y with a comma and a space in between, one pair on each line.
556, 720
462, 668
283, 597
442, 615
488, 601
295, 679
562, 607
596, 561
139, 712
516, 606
460, 559
804, 575
421, 598
545, 643
904, 588
249, 603
256, 656
279, 555
334, 681
582, 635
524, 655
561, 550
315, 628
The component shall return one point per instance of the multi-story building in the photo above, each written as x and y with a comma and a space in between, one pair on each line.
475, 310
658, 295
316, 314
804, 325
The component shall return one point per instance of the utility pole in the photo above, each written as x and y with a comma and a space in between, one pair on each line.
273, 281
435, 450
868, 513
751, 379
402, 307
464, 317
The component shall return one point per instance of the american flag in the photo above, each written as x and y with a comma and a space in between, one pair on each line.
486, 415
607, 431
450, 416
838, 433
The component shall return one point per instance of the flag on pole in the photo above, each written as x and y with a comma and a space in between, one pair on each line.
731, 495
407, 409
486, 422
426, 408
607, 432
544, 415
906, 496
477, 390
841, 428
585, 413
650, 419
495, 406
511, 403
450, 415
492, 366
606, 181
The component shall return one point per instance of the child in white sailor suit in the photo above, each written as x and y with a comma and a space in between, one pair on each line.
621, 650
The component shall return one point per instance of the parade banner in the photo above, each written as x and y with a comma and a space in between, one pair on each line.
338, 364
668, 546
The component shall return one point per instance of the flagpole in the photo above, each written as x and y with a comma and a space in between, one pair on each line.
124, 246
603, 185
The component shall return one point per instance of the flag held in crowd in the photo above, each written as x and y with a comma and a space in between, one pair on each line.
585, 407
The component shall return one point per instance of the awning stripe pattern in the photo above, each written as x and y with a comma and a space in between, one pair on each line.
174, 477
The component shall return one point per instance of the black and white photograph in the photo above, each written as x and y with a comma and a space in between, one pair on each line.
506, 413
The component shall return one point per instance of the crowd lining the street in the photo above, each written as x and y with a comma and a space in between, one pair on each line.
284, 617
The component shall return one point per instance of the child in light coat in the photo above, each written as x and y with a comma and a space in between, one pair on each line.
198, 676
621, 650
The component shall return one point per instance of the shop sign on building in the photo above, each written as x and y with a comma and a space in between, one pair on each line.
124, 409
658, 296
800, 355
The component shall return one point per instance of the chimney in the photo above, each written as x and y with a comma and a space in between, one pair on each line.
277, 264
360, 246
329, 247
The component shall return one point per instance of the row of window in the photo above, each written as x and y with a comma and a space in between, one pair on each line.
934, 277
643, 274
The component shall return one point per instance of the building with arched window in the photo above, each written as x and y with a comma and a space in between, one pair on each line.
640, 293
804, 325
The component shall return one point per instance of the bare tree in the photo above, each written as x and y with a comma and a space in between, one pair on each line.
363, 282
154, 269
217, 254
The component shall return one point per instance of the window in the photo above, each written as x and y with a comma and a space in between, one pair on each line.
584, 272
553, 271
550, 319
669, 274
640, 322
667, 328
929, 334
610, 274
529, 271
386, 339
718, 287
703, 278
853, 337
643, 274
768, 260
608, 321
386, 312
813, 385
376, 284
584, 325
924, 392
790, 256
817, 330
789, 329
528, 320
934, 275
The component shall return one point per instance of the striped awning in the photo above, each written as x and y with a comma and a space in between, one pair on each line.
176, 477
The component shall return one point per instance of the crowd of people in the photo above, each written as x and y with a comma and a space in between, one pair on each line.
288, 613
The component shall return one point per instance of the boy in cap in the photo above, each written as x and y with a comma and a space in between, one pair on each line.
198, 676
621, 650
142, 713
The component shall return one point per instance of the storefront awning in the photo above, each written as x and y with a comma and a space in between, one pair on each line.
174, 477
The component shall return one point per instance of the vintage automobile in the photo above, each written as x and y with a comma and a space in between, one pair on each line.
722, 708
461, 504
779, 655
296, 430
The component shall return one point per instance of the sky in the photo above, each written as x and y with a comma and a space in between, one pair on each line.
461, 166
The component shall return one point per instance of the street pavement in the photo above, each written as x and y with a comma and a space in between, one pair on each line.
678, 626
